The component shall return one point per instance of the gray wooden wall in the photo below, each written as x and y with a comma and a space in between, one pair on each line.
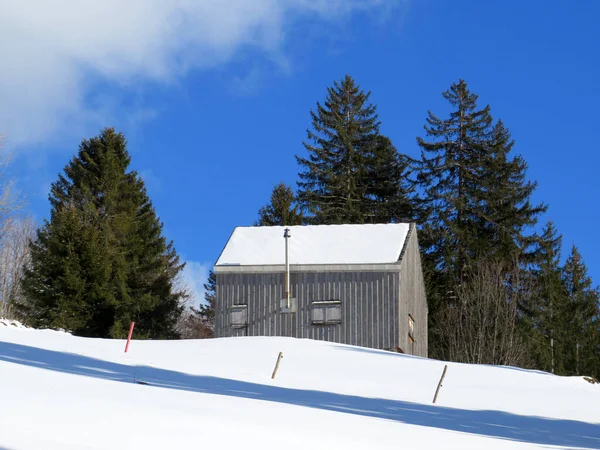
413, 300
369, 302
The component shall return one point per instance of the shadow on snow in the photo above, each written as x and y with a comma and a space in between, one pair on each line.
496, 424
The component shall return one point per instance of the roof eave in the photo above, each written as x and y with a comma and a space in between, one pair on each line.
354, 267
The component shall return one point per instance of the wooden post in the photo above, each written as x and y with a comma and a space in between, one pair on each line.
129, 336
277, 365
440, 384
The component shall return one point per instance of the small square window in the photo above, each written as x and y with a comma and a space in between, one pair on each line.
238, 316
327, 312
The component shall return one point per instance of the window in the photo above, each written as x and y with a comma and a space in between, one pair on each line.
238, 316
326, 313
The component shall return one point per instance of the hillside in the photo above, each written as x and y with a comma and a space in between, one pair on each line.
64, 392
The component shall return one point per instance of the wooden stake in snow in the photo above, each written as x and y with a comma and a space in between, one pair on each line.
129, 336
277, 365
440, 384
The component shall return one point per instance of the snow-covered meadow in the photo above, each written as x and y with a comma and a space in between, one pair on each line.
62, 392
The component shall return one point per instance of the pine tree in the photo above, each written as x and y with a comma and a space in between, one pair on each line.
282, 209
388, 186
547, 310
207, 309
101, 261
352, 174
333, 181
583, 319
449, 177
473, 199
506, 213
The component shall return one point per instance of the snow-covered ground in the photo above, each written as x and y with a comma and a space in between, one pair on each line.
62, 392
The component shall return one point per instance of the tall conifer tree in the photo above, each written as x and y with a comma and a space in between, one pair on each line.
473, 198
547, 310
101, 260
582, 344
505, 211
352, 173
388, 188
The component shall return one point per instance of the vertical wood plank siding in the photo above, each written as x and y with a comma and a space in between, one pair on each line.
369, 302
413, 300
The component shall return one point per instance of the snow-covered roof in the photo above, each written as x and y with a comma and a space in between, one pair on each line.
316, 244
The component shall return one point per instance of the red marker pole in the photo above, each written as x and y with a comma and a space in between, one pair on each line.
129, 337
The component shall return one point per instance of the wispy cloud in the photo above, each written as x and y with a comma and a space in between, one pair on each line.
54, 53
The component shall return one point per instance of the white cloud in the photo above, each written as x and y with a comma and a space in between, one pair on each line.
53, 52
194, 275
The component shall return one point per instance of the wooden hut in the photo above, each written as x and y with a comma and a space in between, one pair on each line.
352, 284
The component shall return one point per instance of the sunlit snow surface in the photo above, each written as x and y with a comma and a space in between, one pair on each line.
62, 392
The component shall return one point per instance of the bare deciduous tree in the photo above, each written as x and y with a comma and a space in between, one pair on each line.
14, 238
14, 256
9, 201
194, 326
482, 325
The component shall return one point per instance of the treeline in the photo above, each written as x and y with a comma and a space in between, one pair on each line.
497, 290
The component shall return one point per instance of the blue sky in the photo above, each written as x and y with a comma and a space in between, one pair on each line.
214, 97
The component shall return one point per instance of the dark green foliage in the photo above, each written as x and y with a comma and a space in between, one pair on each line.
474, 199
506, 214
207, 309
282, 210
101, 260
388, 189
546, 313
582, 344
333, 183
352, 174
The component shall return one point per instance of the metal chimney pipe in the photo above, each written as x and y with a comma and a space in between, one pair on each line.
287, 236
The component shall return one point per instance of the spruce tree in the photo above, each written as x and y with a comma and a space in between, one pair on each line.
207, 309
546, 312
447, 178
448, 175
282, 209
352, 173
506, 213
582, 342
101, 260
473, 199
388, 186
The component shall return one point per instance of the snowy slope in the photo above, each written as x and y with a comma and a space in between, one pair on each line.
62, 392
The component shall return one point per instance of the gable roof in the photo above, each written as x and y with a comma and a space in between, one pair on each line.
315, 244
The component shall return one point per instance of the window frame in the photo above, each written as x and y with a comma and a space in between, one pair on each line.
238, 308
325, 305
